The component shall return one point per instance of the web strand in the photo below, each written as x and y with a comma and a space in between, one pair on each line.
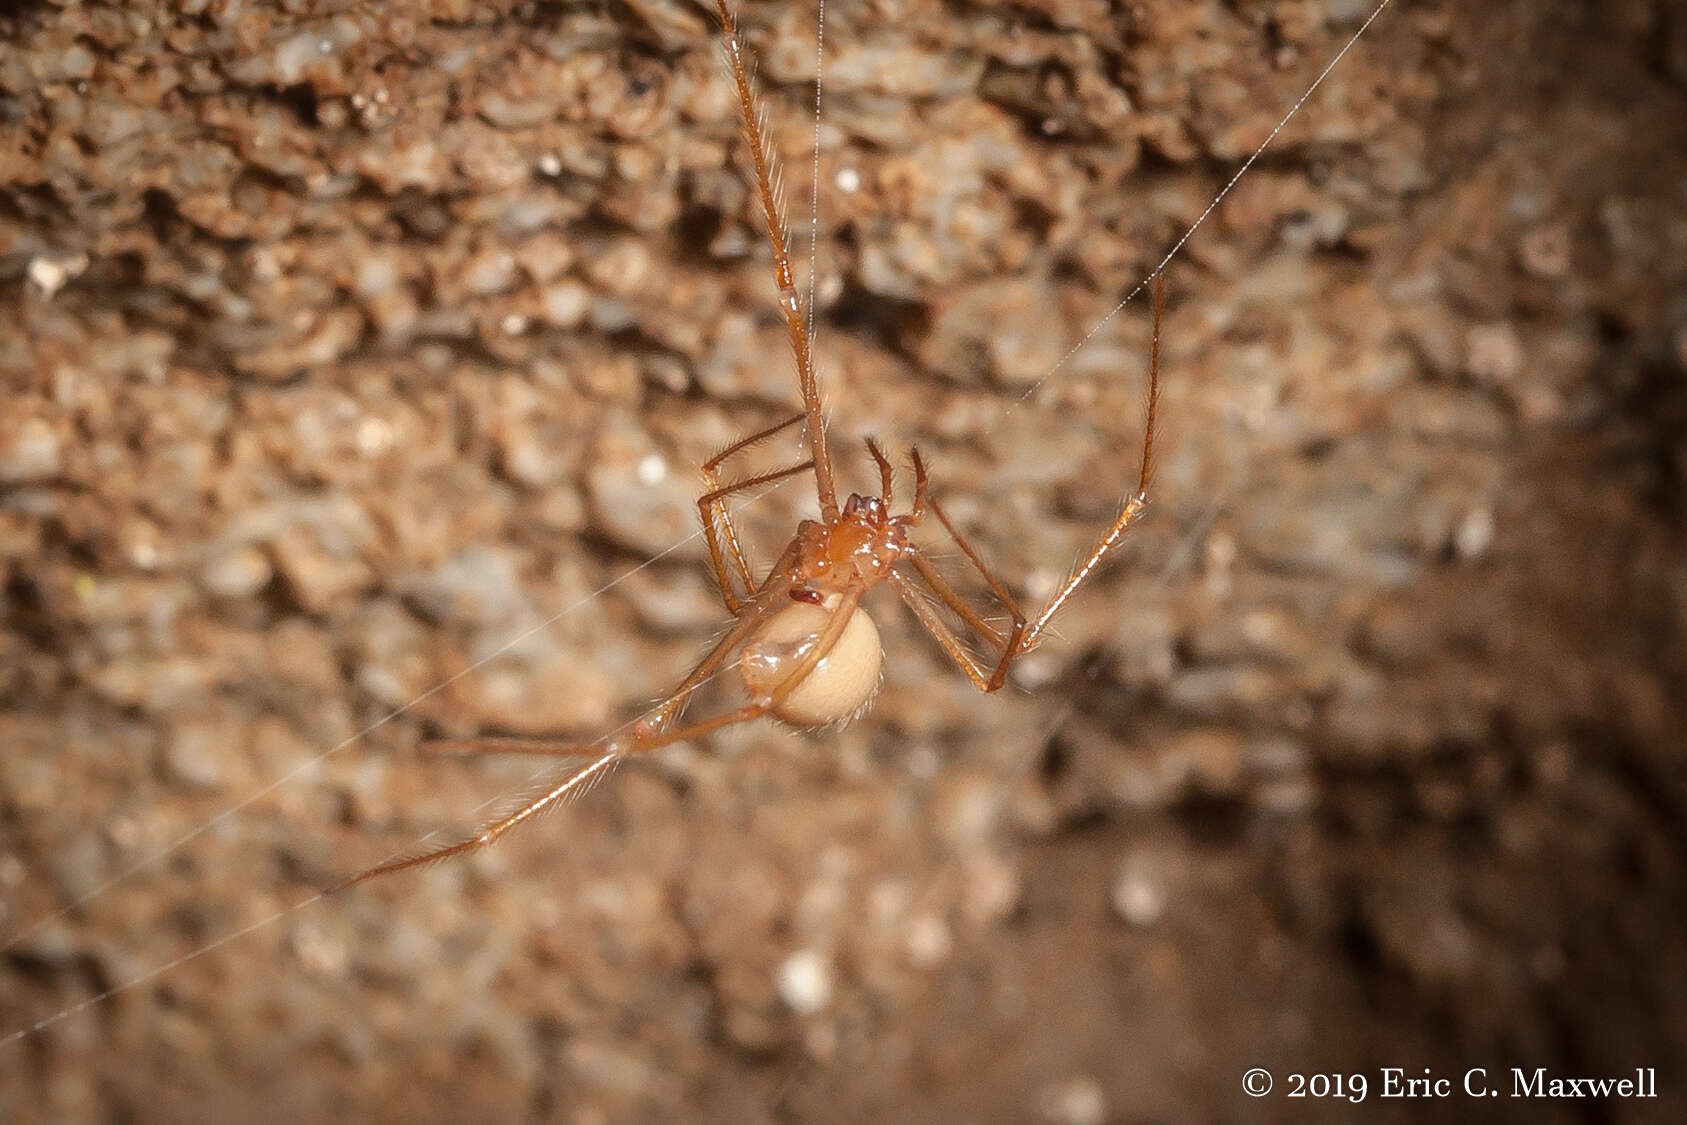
1211, 207
814, 195
589, 775
301, 770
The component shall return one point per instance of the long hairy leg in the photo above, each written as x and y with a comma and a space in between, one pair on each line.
1021, 636
711, 506
644, 737
984, 678
789, 304
941, 586
769, 599
1137, 502
574, 783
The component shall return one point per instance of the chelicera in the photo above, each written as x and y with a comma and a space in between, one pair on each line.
806, 650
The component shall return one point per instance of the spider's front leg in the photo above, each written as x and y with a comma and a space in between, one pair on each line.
1138, 501
1022, 636
711, 506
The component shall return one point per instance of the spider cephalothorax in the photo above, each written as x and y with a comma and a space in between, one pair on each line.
862, 545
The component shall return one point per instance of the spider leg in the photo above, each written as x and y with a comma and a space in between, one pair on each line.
644, 737
712, 505
769, 599
886, 476
952, 598
488, 835
1021, 637
940, 585
1137, 502
789, 304
921, 481
983, 678
743, 443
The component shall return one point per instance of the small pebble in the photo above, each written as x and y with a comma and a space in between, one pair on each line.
49, 275
192, 756
1545, 252
652, 469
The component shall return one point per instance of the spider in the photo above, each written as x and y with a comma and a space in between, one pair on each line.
808, 653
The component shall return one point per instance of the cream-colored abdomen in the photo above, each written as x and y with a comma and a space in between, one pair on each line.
837, 688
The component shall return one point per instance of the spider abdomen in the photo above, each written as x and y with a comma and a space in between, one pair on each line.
838, 688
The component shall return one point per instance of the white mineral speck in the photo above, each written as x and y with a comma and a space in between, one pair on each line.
805, 982
652, 469
52, 274
1475, 534
1137, 898
849, 180
237, 573
374, 435
1078, 1100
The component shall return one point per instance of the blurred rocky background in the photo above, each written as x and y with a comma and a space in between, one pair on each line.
352, 346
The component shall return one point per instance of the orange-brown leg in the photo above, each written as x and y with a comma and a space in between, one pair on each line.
1021, 637
941, 586
486, 837
645, 736
711, 504
957, 604
768, 601
1137, 503
709, 511
789, 304
953, 599
984, 679
887, 478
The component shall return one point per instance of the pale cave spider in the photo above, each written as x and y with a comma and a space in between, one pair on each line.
808, 654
